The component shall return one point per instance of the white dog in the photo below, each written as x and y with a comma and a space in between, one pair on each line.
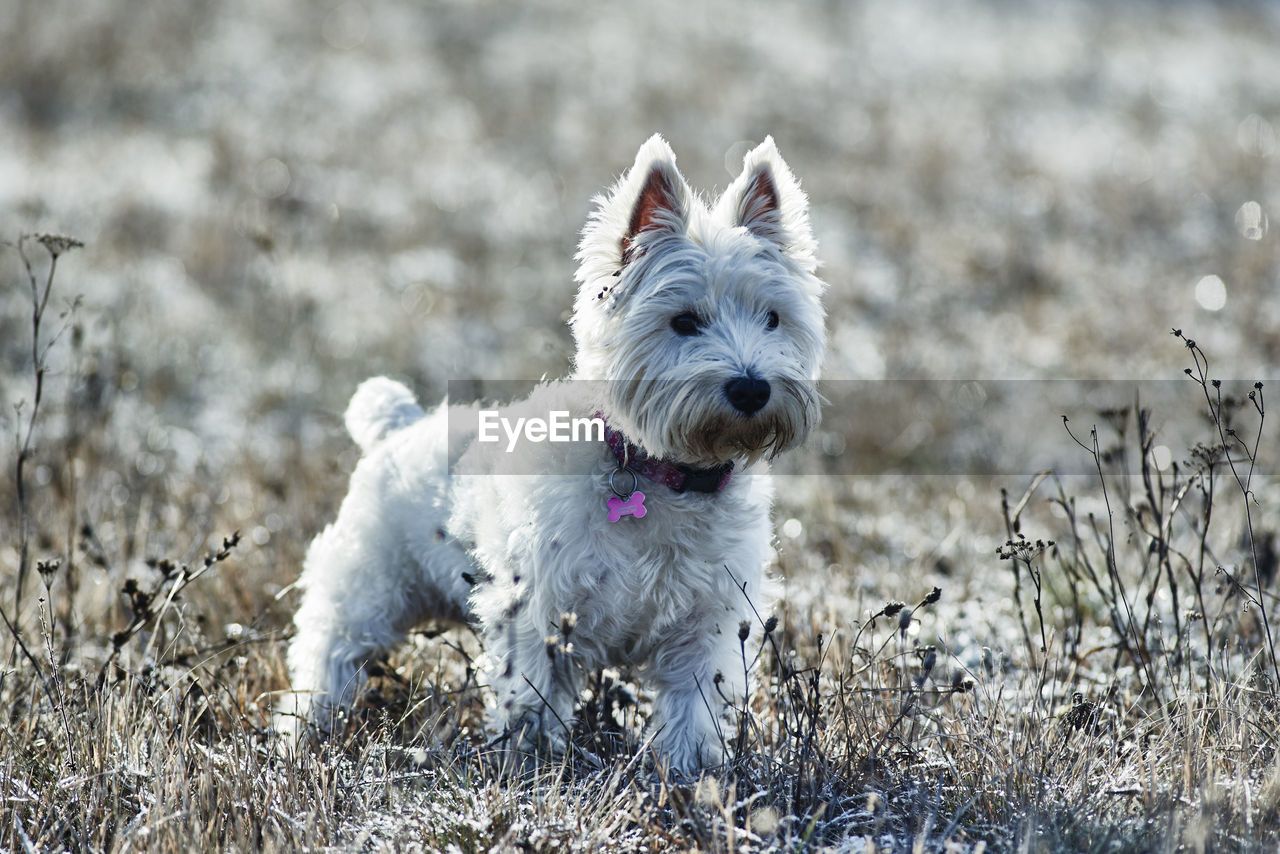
699, 332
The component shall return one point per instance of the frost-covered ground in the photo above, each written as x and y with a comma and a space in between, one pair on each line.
279, 198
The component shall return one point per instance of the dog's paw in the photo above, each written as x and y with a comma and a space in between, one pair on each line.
533, 734
531, 744
682, 760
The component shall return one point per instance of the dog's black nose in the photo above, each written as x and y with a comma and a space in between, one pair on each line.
747, 394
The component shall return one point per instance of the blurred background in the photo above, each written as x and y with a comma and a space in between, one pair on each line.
279, 198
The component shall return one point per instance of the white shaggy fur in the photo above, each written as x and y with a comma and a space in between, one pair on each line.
418, 527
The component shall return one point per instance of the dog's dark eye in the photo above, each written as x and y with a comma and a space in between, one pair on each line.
772, 322
686, 324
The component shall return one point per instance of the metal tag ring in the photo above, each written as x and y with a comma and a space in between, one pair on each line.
635, 483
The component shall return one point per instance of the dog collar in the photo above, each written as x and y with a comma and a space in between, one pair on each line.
675, 476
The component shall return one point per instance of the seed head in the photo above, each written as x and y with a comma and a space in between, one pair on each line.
930, 659
765, 821
707, 792
744, 629
57, 244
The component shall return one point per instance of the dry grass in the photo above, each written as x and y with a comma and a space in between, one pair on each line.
138, 712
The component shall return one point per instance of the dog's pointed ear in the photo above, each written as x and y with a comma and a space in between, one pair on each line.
766, 199
660, 206
651, 197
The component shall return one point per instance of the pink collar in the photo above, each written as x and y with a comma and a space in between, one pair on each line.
675, 476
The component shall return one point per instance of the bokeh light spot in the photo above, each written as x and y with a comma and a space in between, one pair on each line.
271, 179
1256, 136
1211, 293
1251, 221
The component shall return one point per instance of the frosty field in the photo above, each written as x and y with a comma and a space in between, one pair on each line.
994, 637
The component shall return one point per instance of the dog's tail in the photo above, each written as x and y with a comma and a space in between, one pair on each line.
380, 407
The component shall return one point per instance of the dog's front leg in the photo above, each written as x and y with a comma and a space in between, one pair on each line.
536, 684
696, 678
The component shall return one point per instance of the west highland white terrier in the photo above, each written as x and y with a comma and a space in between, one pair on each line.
699, 332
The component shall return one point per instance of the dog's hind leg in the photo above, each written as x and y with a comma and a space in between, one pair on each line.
341, 625
364, 587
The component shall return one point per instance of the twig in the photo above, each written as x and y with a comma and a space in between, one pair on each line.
1139, 650
55, 246
1214, 402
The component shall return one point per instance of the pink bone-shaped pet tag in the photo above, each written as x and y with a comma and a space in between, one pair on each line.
633, 506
